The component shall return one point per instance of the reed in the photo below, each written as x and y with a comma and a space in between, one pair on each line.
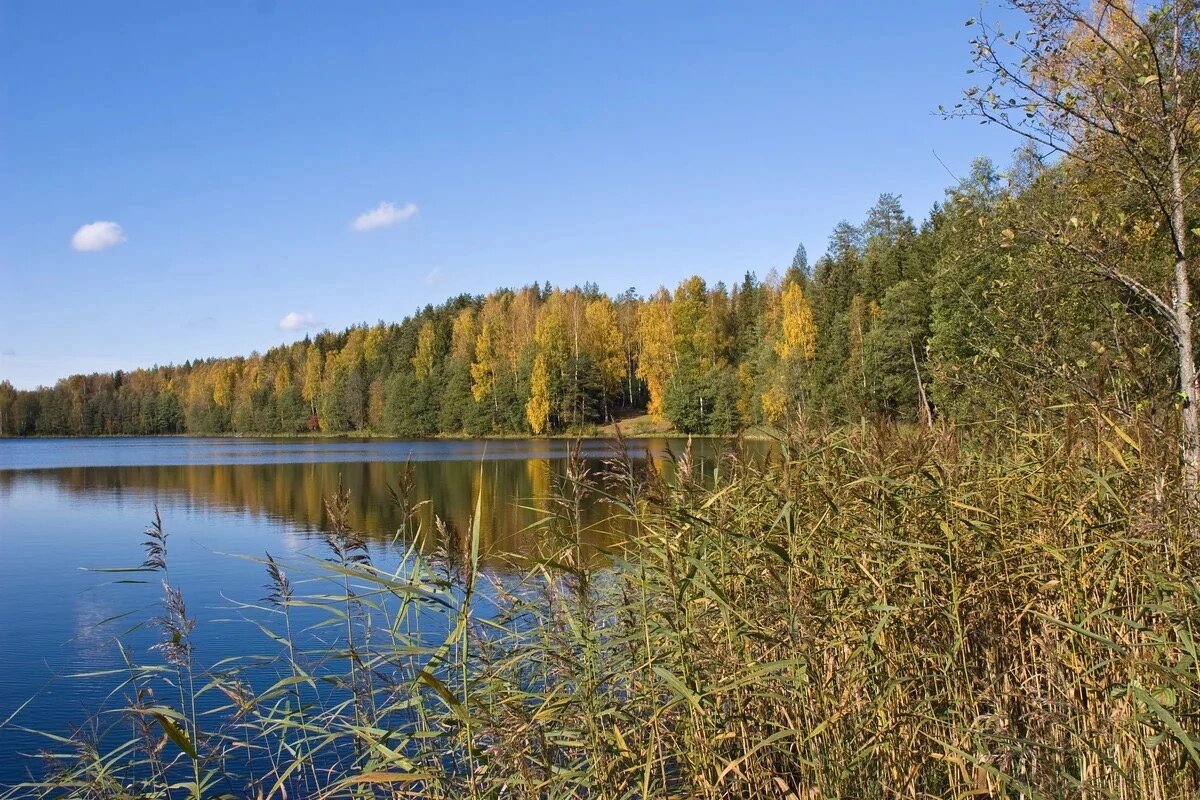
870, 612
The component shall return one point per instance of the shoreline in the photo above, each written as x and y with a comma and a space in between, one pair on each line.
637, 426
755, 434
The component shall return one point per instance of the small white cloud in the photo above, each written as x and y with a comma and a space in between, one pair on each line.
297, 321
382, 216
97, 236
8, 351
434, 277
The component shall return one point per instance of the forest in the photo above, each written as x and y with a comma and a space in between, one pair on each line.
963, 317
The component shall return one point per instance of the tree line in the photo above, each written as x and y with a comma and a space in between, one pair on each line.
959, 317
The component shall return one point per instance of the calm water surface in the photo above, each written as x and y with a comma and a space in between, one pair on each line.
67, 505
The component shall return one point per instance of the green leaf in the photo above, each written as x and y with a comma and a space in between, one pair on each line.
177, 734
443, 691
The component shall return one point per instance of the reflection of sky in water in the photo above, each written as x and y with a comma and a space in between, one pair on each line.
91, 635
220, 499
138, 451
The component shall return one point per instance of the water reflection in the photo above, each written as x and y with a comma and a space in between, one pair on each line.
83, 503
514, 495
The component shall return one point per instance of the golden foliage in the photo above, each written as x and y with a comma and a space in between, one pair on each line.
657, 337
775, 404
537, 410
604, 344
423, 359
462, 337
798, 334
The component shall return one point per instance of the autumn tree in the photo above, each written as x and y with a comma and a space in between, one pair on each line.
458, 407
311, 379
423, 359
575, 393
553, 347
1114, 91
628, 304
656, 337
795, 345
798, 336
537, 410
605, 350
485, 368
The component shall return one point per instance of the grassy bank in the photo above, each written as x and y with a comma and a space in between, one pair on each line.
633, 426
877, 612
636, 427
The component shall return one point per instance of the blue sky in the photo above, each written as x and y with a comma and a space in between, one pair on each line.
235, 144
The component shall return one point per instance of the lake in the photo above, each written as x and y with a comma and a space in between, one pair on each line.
70, 505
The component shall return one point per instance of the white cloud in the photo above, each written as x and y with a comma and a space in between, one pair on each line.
298, 321
97, 236
434, 277
382, 216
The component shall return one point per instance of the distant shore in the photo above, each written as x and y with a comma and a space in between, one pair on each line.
640, 427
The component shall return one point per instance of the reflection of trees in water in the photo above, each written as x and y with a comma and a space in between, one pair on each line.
515, 495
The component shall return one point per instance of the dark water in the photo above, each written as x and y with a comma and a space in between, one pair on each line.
67, 505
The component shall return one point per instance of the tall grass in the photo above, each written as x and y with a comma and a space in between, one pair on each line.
871, 612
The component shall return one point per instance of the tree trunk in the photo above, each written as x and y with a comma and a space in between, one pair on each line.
925, 413
629, 375
1187, 383
1185, 352
1181, 303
